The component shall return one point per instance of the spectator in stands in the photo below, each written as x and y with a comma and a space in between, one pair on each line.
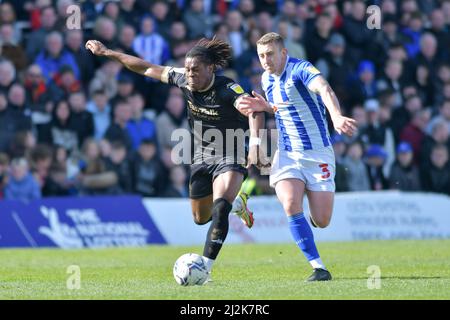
118, 163
10, 49
37, 37
92, 9
444, 115
197, 22
62, 13
54, 56
178, 43
101, 113
139, 127
236, 31
38, 97
436, 177
40, 160
94, 177
4, 166
335, 66
414, 132
64, 83
21, 184
316, 40
7, 75
81, 119
413, 31
125, 87
339, 148
392, 79
405, 174
150, 45
293, 34
127, 34
377, 133
8, 17
439, 29
265, 22
105, 30
130, 13
440, 134
171, 119
22, 143
57, 183
163, 20
360, 115
177, 187
428, 55
74, 44
111, 11
244, 64
357, 177
355, 30
364, 86
59, 130
117, 131
375, 157
149, 178
403, 115
106, 78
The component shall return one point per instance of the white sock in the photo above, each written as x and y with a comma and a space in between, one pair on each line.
209, 263
317, 263
237, 205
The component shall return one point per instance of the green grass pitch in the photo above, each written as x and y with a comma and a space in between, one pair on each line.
409, 270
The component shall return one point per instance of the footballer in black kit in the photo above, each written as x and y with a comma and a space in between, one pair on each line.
212, 108
216, 173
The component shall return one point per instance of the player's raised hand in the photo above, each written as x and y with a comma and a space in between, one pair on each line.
96, 47
248, 104
344, 125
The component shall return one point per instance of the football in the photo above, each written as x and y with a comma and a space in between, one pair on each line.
190, 270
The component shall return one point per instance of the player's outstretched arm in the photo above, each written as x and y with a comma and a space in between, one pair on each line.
248, 104
134, 64
257, 155
341, 124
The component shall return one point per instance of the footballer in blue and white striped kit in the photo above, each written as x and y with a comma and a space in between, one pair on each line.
298, 95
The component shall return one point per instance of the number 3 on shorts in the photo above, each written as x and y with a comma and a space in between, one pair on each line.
326, 173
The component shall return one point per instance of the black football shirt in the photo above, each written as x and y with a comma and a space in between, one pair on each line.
217, 127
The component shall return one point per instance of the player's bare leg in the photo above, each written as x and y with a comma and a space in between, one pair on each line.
225, 188
290, 193
320, 207
202, 209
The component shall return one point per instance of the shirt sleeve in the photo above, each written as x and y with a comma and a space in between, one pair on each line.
233, 92
174, 76
305, 72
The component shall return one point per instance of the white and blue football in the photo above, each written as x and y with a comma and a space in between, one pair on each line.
190, 269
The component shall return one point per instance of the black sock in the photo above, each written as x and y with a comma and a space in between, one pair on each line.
218, 229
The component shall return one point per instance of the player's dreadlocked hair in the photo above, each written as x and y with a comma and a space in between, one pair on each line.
215, 52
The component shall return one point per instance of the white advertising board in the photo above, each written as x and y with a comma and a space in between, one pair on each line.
356, 216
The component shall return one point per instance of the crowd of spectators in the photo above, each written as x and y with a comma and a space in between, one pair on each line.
75, 124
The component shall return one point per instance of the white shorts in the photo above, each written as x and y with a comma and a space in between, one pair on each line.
316, 168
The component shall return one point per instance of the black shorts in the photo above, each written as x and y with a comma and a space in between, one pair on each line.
203, 176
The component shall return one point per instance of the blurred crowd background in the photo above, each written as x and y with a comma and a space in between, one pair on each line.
75, 124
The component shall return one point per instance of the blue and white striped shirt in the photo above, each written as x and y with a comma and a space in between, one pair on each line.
300, 114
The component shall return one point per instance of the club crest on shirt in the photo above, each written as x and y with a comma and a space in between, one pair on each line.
237, 88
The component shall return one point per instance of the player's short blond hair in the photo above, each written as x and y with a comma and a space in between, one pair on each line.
271, 37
